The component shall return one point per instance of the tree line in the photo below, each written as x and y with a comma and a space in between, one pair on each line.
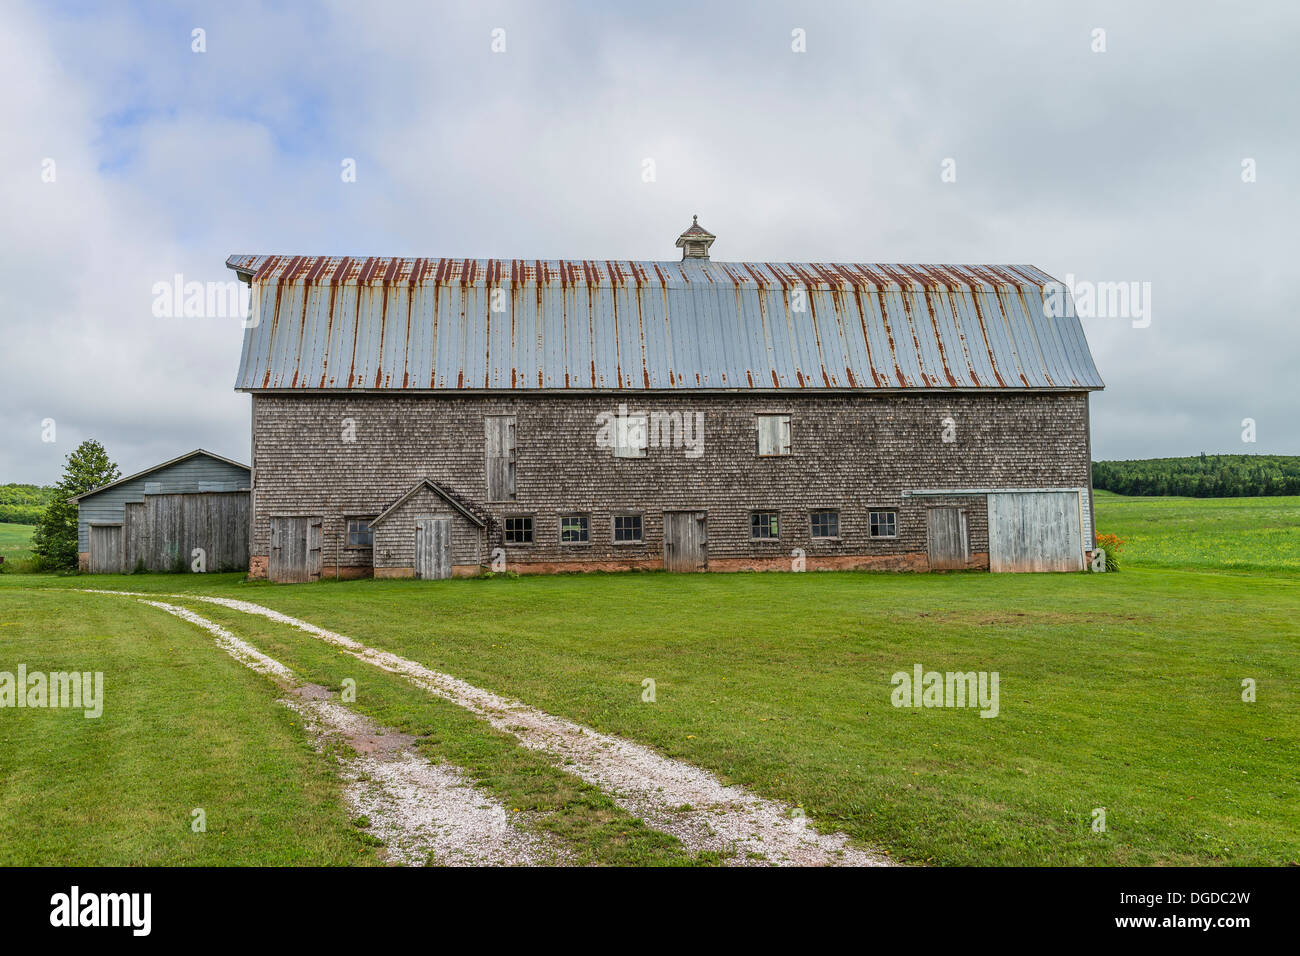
23, 504
1203, 476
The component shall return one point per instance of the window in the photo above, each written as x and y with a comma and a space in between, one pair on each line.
632, 436
627, 529
825, 524
499, 437
574, 529
360, 534
884, 524
764, 526
773, 435
519, 530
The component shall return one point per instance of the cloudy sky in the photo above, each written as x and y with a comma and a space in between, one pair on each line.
127, 158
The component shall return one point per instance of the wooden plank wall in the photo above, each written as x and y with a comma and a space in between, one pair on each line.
162, 532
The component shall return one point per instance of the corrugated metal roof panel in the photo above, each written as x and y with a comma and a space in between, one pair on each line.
339, 322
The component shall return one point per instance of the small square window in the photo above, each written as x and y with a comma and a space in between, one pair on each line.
764, 526
628, 529
574, 529
360, 534
632, 436
884, 524
519, 530
825, 524
773, 435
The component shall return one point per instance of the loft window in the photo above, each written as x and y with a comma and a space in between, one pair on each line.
360, 534
884, 524
773, 435
764, 526
628, 529
574, 529
632, 436
825, 524
519, 529
499, 438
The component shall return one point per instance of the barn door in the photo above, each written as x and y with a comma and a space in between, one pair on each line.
947, 540
1035, 531
295, 550
106, 549
433, 548
686, 541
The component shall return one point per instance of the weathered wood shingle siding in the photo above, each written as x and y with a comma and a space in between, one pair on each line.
183, 476
851, 452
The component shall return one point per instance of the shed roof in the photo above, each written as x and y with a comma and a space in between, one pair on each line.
377, 324
159, 467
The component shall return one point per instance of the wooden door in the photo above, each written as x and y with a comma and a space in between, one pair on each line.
686, 541
295, 550
433, 548
947, 539
106, 549
1035, 531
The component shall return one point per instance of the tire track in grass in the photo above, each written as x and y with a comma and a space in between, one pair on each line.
417, 808
675, 797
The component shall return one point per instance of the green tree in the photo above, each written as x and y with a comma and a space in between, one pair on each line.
55, 539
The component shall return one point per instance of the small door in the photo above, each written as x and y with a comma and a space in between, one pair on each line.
295, 550
686, 541
947, 540
433, 547
106, 549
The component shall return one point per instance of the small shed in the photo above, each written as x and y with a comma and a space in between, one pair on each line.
189, 513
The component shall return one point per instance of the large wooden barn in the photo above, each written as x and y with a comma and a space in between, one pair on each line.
431, 417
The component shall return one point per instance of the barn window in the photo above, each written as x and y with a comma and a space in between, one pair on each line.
773, 435
499, 437
825, 524
519, 529
632, 436
360, 534
884, 524
628, 529
764, 526
574, 529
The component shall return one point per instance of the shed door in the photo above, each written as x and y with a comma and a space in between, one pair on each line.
433, 548
106, 549
947, 540
686, 541
1035, 531
295, 550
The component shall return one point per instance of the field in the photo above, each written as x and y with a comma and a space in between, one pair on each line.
1119, 691
15, 541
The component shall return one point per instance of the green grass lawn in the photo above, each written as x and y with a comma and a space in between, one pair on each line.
1120, 691
15, 541
183, 727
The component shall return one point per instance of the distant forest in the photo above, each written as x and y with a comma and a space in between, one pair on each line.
23, 504
1206, 476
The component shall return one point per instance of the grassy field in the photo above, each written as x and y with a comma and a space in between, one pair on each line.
1120, 691
15, 541
1248, 534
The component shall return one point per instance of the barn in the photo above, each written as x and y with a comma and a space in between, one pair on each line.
156, 519
431, 417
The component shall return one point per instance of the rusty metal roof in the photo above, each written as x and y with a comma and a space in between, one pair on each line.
337, 322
